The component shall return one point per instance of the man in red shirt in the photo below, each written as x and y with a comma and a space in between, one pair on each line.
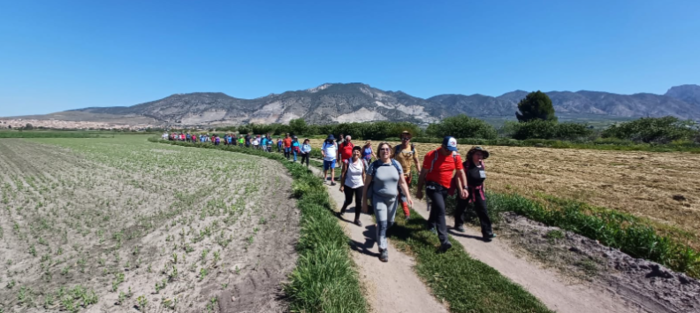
439, 167
345, 149
287, 141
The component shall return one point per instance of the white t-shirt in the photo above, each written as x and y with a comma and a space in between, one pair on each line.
353, 177
330, 150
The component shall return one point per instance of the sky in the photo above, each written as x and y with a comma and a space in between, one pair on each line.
59, 55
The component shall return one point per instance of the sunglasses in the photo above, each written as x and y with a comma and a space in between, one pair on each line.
406, 138
384, 149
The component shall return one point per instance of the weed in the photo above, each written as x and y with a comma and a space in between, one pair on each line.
141, 302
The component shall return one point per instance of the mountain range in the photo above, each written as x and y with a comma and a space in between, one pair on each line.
357, 102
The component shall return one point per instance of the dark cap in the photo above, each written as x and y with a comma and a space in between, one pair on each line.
480, 149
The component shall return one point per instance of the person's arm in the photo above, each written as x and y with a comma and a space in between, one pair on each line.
368, 180
343, 172
404, 187
421, 183
323, 151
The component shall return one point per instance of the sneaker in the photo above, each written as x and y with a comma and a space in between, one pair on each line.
332, 183
489, 237
459, 228
358, 223
342, 211
408, 217
445, 247
384, 255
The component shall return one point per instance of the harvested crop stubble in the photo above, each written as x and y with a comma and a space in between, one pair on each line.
663, 187
136, 225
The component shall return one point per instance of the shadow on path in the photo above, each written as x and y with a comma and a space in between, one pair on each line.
365, 247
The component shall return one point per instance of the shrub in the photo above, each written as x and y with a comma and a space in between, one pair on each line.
654, 130
462, 126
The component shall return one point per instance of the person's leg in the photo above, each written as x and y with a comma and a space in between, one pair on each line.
482, 213
295, 155
358, 203
430, 194
459, 212
438, 213
403, 200
332, 173
326, 167
380, 213
348, 199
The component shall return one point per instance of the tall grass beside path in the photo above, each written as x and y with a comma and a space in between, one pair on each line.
324, 279
611, 228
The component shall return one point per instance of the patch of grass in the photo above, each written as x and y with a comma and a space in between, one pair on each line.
324, 279
611, 228
468, 285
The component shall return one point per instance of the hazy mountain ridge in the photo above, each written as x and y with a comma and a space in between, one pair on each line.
356, 102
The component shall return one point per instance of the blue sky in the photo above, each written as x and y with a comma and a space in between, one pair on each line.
58, 55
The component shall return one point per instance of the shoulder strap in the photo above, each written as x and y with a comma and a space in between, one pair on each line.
396, 165
432, 163
413, 148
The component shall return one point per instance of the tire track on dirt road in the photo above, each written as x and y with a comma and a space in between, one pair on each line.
545, 284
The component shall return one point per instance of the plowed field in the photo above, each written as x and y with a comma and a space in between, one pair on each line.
114, 224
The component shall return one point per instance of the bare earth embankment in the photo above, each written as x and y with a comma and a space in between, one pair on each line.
118, 224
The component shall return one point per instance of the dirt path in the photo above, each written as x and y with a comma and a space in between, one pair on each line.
548, 286
393, 286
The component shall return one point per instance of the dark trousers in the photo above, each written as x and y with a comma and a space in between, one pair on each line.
305, 157
437, 212
287, 152
479, 206
349, 192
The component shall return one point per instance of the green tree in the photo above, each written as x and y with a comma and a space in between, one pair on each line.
298, 126
536, 106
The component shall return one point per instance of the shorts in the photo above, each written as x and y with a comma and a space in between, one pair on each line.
327, 165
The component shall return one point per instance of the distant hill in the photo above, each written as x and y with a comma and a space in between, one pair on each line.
357, 102
686, 105
687, 93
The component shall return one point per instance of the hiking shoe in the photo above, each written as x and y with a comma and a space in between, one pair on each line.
445, 247
384, 255
489, 237
358, 223
433, 230
408, 217
459, 228
332, 183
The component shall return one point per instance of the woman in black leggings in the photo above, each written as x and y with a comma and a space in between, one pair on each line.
352, 180
476, 174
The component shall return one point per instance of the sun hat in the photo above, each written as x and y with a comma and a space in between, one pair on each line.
450, 143
405, 132
480, 149
330, 137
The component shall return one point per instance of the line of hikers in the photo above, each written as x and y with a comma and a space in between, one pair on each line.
386, 183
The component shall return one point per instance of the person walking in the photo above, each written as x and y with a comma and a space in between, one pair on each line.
439, 168
405, 154
367, 152
345, 149
296, 147
329, 151
263, 143
383, 180
305, 152
287, 142
476, 174
248, 138
352, 182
